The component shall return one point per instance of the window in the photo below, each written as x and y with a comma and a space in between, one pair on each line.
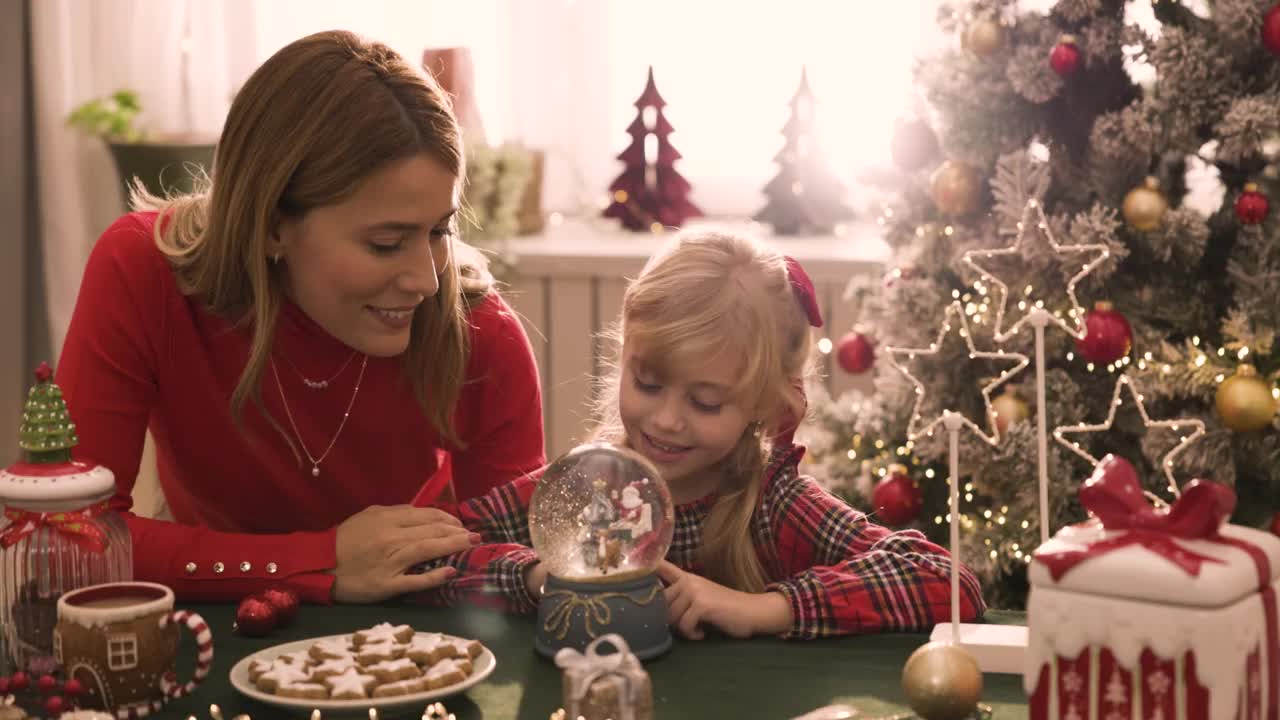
122, 651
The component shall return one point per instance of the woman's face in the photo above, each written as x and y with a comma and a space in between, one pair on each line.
361, 268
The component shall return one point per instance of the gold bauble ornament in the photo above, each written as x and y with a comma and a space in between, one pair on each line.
942, 682
983, 37
1244, 401
954, 188
1145, 205
1009, 409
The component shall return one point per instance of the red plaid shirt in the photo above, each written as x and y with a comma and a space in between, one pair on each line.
841, 573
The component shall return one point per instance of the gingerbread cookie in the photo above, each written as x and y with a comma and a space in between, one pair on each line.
383, 632
350, 685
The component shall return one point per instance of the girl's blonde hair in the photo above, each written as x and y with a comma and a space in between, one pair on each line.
718, 298
315, 120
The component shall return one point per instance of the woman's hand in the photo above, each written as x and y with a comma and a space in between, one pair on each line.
693, 600
377, 545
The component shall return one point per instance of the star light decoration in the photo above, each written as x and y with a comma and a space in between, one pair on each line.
434, 711
917, 425
1166, 462
1076, 327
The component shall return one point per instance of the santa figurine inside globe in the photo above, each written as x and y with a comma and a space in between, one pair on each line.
601, 520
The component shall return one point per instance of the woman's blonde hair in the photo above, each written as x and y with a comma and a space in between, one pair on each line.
308, 126
719, 298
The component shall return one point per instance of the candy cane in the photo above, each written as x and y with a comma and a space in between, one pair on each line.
169, 688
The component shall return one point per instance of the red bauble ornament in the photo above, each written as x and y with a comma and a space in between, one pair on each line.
46, 684
19, 681
855, 353
1065, 56
255, 617
1252, 205
43, 371
285, 602
55, 705
72, 688
914, 145
1107, 335
1271, 29
896, 498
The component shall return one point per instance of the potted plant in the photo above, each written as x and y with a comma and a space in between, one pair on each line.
164, 164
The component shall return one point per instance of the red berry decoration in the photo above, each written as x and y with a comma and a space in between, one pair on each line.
19, 681
72, 688
1107, 335
855, 353
1065, 56
896, 498
1271, 29
55, 705
1252, 205
46, 684
285, 602
255, 617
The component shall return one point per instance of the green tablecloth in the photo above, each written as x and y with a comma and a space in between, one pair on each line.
717, 677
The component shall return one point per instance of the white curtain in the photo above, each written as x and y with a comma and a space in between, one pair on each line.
181, 57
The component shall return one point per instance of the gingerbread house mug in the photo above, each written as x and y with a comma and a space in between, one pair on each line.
120, 640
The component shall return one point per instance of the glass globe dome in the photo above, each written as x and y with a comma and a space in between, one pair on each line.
601, 513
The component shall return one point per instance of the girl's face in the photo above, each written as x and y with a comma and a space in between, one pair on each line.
361, 268
684, 423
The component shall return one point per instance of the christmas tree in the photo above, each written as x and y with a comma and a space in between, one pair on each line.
650, 194
1155, 141
47, 433
804, 197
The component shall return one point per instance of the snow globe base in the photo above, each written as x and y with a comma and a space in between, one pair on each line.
574, 613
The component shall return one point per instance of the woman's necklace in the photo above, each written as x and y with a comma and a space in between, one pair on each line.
315, 462
320, 384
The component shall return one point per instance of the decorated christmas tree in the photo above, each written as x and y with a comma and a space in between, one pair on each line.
1152, 139
47, 433
650, 194
804, 197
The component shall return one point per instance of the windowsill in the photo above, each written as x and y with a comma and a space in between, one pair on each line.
600, 247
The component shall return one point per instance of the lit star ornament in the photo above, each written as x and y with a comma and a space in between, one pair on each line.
918, 425
1166, 462
1076, 327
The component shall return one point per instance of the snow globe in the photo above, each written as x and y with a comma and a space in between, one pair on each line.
601, 520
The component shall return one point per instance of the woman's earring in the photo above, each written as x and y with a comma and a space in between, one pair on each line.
275, 259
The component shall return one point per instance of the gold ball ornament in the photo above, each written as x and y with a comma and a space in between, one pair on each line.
983, 37
1144, 206
955, 188
1244, 401
942, 682
1009, 409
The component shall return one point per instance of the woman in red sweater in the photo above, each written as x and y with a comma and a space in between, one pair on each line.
308, 342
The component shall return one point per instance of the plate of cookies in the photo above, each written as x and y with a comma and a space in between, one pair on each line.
387, 667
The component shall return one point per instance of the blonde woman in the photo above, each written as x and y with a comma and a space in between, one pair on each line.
714, 345
308, 342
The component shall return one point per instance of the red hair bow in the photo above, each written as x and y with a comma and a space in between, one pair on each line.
805, 294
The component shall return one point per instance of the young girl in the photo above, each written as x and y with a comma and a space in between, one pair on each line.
715, 346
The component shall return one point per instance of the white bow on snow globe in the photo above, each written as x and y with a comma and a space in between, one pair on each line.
601, 520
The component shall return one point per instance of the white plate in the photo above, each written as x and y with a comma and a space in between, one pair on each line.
481, 666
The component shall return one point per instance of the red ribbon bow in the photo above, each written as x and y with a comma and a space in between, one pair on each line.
78, 526
804, 291
1114, 495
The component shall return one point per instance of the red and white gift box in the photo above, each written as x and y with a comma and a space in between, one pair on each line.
1154, 614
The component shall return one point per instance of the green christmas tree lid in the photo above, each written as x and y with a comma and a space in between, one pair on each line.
47, 474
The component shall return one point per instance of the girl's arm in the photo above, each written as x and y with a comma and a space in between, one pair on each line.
846, 575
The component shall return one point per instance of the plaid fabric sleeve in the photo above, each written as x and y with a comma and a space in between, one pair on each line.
847, 575
490, 575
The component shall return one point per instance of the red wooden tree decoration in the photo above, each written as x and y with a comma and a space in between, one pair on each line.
804, 197
650, 194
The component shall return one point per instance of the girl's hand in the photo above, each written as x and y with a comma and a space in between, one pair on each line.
534, 577
377, 545
693, 600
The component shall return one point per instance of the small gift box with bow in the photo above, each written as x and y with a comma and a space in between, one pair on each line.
605, 686
1146, 612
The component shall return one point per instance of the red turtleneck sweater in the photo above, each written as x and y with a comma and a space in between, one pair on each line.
139, 354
